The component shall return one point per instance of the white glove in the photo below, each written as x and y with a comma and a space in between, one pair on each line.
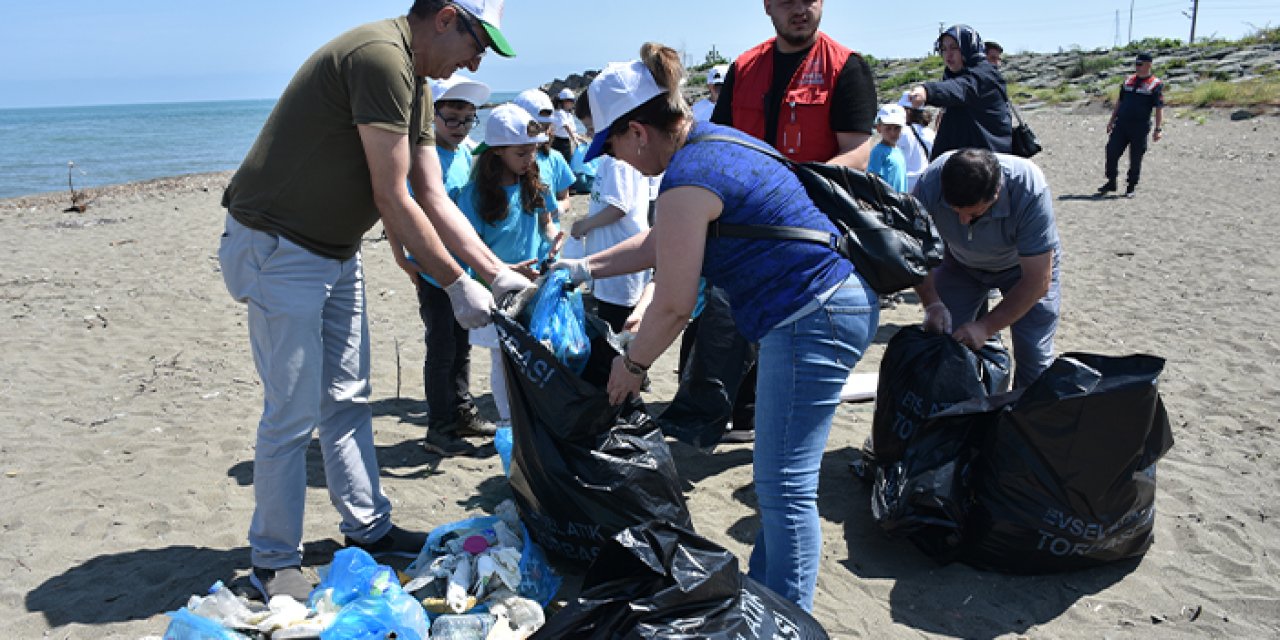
471, 302
578, 269
937, 319
508, 281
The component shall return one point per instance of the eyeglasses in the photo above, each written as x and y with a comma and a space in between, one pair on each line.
463, 17
453, 123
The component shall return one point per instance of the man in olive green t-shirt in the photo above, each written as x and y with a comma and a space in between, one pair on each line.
332, 160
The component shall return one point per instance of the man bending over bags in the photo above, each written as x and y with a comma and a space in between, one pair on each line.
995, 215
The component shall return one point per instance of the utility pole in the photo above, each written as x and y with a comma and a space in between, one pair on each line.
1131, 20
1195, 10
1115, 41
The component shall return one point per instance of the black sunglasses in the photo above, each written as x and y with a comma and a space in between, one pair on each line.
463, 16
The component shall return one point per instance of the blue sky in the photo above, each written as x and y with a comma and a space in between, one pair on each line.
84, 52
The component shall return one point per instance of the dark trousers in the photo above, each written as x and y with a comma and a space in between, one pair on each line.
446, 371
717, 376
1134, 137
614, 314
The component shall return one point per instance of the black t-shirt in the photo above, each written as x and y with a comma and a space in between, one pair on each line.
853, 107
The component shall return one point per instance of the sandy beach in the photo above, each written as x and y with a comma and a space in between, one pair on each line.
128, 404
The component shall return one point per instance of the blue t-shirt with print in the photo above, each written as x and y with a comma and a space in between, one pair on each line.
558, 176
456, 166
889, 163
1020, 224
767, 280
515, 238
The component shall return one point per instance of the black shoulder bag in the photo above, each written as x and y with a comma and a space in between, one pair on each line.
1025, 142
888, 236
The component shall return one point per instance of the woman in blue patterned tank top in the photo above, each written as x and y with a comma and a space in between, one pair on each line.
812, 314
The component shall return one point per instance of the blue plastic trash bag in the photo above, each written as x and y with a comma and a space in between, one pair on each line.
353, 574
376, 617
538, 581
189, 626
558, 320
502, 441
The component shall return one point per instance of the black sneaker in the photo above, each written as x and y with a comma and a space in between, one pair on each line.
446, 442
396, 542
287, 581
471, 424
1129, 191
1109, 187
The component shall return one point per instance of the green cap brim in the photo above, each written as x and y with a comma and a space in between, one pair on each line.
479, 149
499, 41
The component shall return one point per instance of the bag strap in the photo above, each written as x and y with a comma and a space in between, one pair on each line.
719, 229
1012, 109
719, 137
924, 145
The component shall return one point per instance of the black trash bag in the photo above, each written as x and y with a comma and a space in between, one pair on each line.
925, 496
581, 469
721, 357
923, 373
1066, 476
659, 580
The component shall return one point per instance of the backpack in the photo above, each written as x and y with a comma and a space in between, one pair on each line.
888, 236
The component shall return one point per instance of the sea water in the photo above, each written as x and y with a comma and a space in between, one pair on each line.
114, 144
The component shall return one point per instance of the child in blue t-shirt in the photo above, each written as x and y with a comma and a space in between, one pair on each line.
511, 209
446, 370
887, 160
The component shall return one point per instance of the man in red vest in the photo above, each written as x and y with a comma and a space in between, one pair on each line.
812, 99
805, 94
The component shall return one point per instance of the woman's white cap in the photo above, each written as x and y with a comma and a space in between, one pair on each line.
566, 94
535, 101
460, 87
620, 87
510, 126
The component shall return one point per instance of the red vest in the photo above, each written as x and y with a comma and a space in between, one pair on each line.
804, 121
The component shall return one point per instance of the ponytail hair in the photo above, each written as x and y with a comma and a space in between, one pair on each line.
666, 110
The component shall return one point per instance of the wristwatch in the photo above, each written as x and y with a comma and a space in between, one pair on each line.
633, 367
1159, 129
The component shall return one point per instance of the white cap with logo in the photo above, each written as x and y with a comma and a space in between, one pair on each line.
891, 114
510, 126
620, 87
535, 101
489, 14
717, 73
460, 87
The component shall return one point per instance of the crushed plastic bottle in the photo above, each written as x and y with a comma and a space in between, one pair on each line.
472, 626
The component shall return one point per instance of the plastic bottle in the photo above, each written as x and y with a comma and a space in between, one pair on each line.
472, 626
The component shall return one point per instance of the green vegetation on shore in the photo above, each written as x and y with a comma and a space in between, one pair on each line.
1196, 75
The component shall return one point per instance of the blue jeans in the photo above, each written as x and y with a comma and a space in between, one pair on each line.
964, 291
802, 367
309, 334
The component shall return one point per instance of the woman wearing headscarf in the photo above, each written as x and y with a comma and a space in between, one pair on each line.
808, 308
973, 94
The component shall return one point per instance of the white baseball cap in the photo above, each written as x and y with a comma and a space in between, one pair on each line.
509, 126
535, 101
717, 73
892, 114
905, 100
566, 94
460, 87
489, 14
620, 88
